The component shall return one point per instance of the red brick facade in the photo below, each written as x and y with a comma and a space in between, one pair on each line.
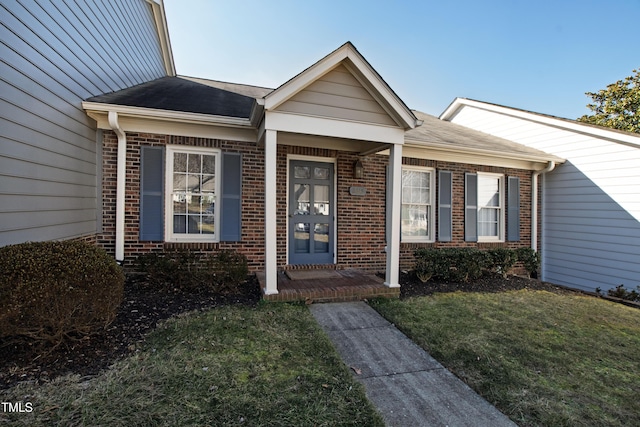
360, 220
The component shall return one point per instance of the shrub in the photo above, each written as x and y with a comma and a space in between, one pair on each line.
530, 260
622, 293
189, 271
54, 291
449, 264
502, 260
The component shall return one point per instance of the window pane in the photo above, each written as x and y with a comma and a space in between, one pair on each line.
321, 199
180, 162
209, 164
193, 224
179, 223
208, 183
321, 173
488, 191
193, 183
194, 205
179, 203
301, 238
301, 172
195, 165
488, 224
179, 182
414, 220
321, 238
301, 197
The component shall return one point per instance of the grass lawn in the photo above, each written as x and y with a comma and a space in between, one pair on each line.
269, 365
542, 358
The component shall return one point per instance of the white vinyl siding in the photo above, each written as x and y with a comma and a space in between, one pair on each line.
338, 94
54, 55
591, 217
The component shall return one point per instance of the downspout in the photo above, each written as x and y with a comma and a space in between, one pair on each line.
120, 183
534, 203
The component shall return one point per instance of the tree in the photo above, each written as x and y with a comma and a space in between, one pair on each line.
617, 106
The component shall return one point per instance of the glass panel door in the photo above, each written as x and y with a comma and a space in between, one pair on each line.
311, 213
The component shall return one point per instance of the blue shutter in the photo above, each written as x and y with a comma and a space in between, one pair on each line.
471, 207
513, 209
444, 206
231, 207
151, 193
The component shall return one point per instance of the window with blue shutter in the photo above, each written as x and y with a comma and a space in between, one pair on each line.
151, 193
513, 209
445, 197
231, 209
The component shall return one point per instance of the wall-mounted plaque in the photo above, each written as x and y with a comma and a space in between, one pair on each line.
357, 191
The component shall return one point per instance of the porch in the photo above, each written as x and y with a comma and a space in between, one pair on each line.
328, 285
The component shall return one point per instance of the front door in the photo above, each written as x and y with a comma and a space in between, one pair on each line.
311, 212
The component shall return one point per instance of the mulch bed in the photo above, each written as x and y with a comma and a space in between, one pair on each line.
411, 286
143, 308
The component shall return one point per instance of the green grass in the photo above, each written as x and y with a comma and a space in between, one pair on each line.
269, 365
544, 359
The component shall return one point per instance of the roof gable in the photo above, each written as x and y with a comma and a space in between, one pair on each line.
316, 91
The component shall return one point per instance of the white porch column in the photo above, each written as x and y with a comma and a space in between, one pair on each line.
270, 223
392, 278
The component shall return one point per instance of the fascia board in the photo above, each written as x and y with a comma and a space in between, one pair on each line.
302, 80
478, 151
328, 63
298, 123
177, 116
168, 127
157, 6
459, 103
381, 88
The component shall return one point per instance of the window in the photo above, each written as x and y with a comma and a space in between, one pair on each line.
193, 189
417, 204
490, 207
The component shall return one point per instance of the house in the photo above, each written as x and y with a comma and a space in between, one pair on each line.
331, 168
102, 141
591, 218
54, 55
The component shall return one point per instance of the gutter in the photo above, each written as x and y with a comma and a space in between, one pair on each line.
534, 203
120, 183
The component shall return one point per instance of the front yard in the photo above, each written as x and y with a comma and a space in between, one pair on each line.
232, 365
543, 358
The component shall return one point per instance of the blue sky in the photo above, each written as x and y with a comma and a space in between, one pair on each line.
537, 55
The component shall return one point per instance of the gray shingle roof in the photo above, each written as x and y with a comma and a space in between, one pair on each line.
450, 135
179, 94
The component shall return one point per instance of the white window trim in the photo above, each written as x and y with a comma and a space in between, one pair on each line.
170, 236
432, 198
501, 216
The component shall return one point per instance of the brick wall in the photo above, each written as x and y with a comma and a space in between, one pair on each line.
360, 224
252, 197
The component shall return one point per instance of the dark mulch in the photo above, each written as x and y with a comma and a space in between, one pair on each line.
141, 310
411, 286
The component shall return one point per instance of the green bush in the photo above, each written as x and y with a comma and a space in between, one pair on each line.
530, 259
622, 293
449, 264
54, 291
189, 271
502, 260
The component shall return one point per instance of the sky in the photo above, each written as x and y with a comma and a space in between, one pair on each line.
536, 55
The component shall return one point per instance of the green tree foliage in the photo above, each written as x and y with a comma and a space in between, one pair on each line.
617, 106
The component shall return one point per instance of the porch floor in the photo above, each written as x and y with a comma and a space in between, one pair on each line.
346, 285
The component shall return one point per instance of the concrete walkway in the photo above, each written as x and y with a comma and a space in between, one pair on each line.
408, 386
